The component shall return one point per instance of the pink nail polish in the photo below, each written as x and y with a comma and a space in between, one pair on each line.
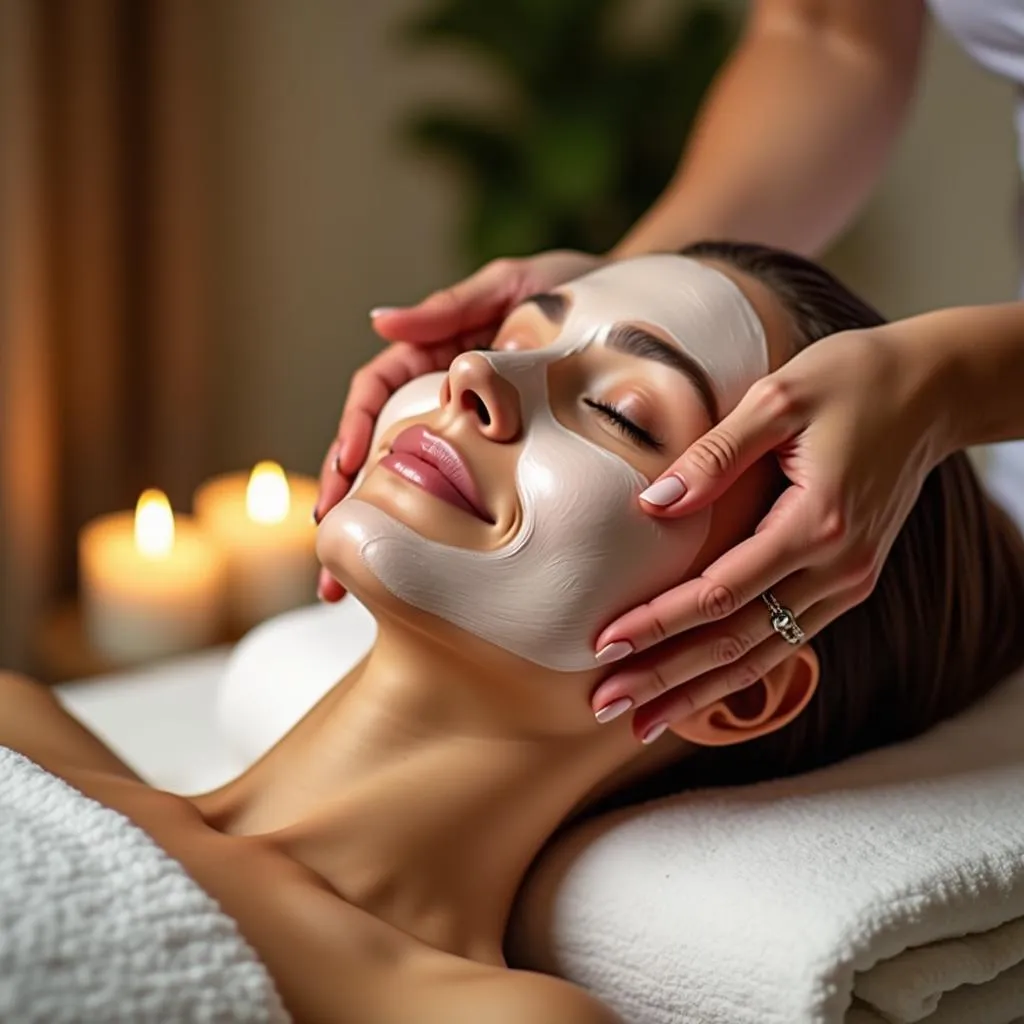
664, 492
382, 311
654, 732
614, 651
612, 711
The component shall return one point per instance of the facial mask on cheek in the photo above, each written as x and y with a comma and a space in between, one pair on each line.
585, 551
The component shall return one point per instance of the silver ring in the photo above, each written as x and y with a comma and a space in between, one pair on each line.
783, 620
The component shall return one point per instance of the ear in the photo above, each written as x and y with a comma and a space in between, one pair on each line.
769, 704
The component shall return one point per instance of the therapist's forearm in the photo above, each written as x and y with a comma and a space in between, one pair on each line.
977, 352
795, 132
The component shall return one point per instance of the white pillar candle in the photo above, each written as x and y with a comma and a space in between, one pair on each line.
151, 584
263, 523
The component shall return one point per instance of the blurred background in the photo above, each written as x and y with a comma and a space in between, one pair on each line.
200, 202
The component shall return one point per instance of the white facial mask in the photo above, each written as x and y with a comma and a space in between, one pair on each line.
585, 552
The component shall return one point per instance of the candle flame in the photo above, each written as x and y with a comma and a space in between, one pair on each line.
267, 498
154, 524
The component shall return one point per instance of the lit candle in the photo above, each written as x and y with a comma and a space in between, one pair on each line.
263, 523
151, 584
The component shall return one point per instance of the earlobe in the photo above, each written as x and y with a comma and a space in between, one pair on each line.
769, 704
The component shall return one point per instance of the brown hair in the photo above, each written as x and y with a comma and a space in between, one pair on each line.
945, 622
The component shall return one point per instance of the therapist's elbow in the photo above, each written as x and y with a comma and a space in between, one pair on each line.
883, 38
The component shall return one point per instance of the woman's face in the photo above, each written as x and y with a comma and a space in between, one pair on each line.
502, 496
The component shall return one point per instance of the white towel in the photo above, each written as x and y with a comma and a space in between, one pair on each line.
98, 924
896, 877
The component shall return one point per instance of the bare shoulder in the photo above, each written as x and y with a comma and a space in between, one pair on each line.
501, 996
33, 722
542, 999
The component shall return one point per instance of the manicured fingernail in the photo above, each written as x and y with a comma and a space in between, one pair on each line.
654, 732
613, 710
613, 652
316, 515
664, 492
381, 310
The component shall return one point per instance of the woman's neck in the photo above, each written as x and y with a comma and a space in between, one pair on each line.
421, 788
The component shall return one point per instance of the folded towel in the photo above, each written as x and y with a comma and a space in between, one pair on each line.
895, 878
888, 888
98, 924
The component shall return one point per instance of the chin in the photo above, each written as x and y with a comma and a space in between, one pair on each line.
338, 552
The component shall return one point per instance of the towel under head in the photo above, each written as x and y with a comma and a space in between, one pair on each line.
773, 903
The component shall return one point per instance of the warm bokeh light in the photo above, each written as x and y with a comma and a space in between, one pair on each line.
267, 498
154, 524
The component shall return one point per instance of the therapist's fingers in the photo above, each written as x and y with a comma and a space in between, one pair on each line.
708, 648
372, 385
478, 301
778, 549
333, 487
766, 416
678, 704
329, 589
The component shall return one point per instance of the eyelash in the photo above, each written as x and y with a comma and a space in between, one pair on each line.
625, 425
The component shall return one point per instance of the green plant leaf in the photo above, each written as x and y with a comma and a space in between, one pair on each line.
571, 160
506, 222
484, 150
594, 129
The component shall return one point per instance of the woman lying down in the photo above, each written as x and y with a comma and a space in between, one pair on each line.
372, 857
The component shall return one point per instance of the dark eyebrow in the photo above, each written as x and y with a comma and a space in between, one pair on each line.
553, 305
635, 341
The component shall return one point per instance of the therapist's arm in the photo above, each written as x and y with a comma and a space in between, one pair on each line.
980, 352
795, 133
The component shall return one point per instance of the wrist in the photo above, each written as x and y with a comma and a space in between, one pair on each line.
928, 375
969, 365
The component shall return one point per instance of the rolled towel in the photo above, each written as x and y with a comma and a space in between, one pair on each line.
896, 877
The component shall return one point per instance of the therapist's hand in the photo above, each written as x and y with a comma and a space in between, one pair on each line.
427, 337
856, 422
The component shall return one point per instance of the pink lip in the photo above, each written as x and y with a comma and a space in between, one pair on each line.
430, 462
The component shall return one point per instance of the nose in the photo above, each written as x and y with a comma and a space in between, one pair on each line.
474, 389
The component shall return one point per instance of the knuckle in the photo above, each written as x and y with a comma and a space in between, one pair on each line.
776, 397
683, 704
716, 453
659, 628
448, 298
728, 649
863, 588
834, 526
659, 682
743, 675
501, 266
657, 625
718, 601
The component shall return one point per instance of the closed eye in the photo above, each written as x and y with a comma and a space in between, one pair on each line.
625, 425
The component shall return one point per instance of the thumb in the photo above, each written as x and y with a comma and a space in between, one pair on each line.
481, 300
713, 463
